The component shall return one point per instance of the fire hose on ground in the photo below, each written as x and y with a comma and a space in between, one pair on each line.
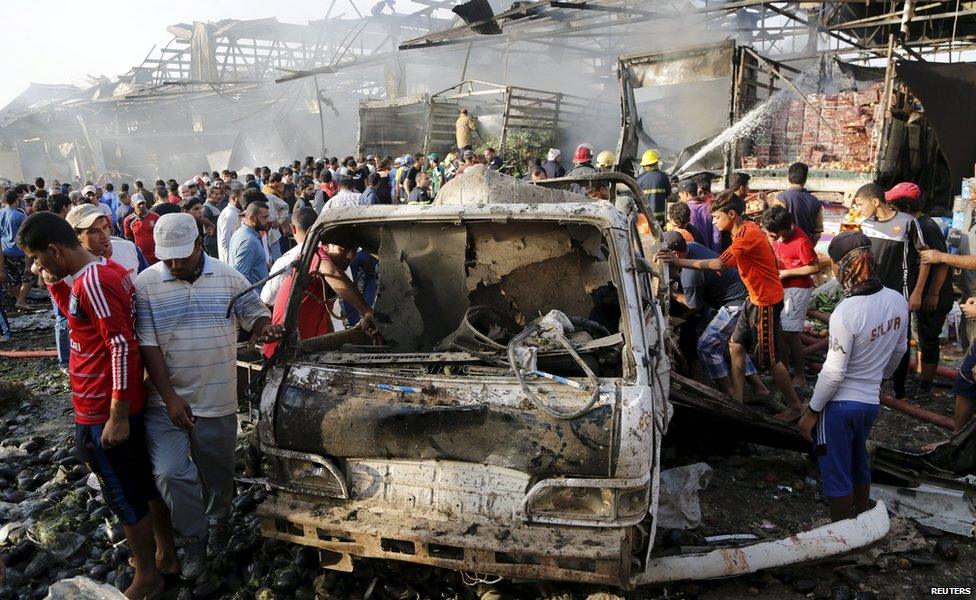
49, 353
909, 409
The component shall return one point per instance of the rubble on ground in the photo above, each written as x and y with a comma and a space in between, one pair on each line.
45, 498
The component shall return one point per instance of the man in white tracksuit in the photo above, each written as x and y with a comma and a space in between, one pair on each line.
868, 336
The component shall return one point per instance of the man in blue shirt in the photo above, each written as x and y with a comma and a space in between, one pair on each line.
13, 274
247, 251
370, 195
111, 199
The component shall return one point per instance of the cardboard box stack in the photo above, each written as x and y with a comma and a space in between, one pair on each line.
831, 131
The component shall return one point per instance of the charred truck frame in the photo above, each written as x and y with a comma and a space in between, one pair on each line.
480, 437
870, 128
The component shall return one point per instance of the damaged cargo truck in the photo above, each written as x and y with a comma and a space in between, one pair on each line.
723, 108
511, 418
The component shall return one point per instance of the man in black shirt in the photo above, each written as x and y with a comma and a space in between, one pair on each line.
739, 184
492, 159
410, 180
937, 294
358, 174
421, 193
896, 240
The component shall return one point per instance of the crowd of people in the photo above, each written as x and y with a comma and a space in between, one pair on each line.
743, 289
140, 278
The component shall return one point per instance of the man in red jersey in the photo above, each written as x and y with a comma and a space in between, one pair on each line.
138, 228
107, 392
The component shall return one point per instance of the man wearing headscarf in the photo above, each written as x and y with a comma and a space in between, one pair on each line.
868, 336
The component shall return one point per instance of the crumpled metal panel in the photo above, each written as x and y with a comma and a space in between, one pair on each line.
480, 185
342, 414
510, 549
679, 66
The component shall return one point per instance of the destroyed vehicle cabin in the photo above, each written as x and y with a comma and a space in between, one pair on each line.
425, 123
460, 283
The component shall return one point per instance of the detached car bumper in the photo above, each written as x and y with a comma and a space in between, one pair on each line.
829, 540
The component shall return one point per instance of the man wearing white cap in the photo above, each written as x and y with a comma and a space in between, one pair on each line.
94, 231
552, 167
190, 350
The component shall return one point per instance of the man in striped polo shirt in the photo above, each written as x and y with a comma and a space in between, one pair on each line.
190, 351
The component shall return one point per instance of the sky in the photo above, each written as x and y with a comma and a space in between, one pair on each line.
64, 41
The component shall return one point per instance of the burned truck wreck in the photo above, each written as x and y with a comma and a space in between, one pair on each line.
511, 421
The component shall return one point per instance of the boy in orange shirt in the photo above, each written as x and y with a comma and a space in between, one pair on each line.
758, 328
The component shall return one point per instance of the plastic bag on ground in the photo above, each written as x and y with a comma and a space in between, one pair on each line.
82, 588
679, 507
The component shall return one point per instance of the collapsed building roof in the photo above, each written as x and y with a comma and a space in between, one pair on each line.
851, 28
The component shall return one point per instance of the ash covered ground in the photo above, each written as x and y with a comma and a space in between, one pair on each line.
754, 490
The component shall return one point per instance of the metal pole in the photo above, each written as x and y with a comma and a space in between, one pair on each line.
906, 17
886, 108
464, 70
318, 100
508, 108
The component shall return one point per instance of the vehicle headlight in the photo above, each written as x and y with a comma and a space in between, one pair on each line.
573, 503
631, 503
614, 504
308, 473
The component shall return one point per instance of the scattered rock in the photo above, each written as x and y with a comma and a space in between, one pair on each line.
244, 503
82, 587
823, 590
841, 592
804, 586
946, 550
184, 594
207, 589
40, 564
265, 593
286, 580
